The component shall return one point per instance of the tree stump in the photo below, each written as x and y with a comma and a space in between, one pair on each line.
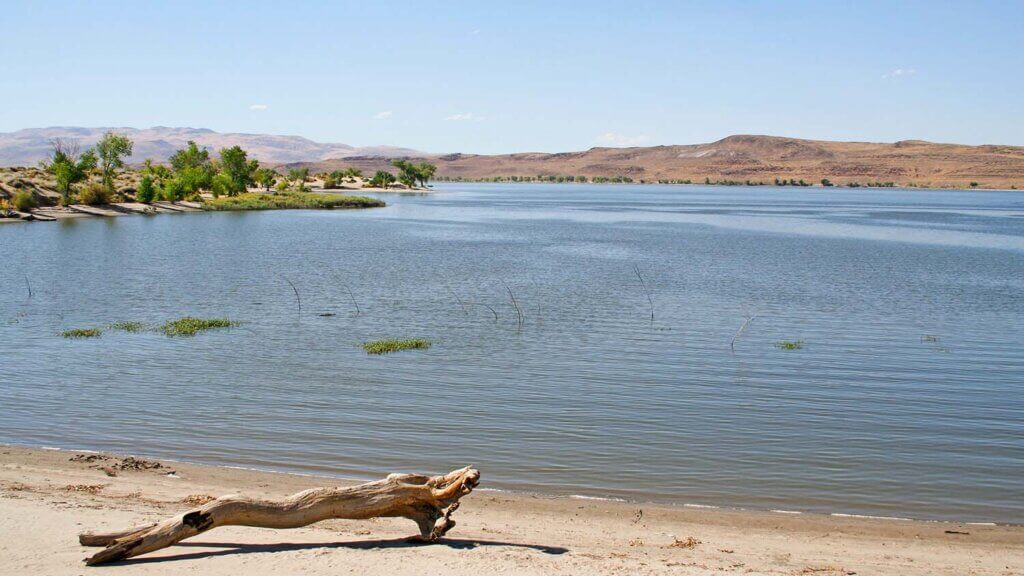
427, 500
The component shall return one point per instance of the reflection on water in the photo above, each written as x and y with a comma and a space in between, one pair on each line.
905, 400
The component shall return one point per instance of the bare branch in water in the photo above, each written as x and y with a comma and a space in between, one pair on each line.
519, 313
298, 299
646, 291
732, 344
457, 299
29, 286
353, 297
485, 306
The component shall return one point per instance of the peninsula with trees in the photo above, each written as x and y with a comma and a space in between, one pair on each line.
98, 181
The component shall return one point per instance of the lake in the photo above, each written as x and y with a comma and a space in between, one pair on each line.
904, 396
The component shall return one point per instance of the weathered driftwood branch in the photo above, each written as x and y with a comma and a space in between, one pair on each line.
427, 500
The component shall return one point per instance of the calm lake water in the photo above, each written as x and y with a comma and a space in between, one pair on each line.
907, 398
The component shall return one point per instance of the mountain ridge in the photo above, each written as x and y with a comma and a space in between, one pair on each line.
30, 145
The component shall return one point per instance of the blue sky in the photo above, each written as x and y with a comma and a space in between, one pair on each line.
522, 76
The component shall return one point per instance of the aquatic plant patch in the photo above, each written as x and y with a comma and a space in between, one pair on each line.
392, 345
189, 326
82, 333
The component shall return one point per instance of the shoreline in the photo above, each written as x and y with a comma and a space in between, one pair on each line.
498, 530
357, 477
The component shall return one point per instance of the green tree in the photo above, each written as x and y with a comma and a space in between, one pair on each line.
158, 172
425, 172
221, 184
146, 191
192, 156
265, 177
68, 167
299, 175
173, 190
826, 182
382, 179
406, 172
193, 170
235, 164
353, 173
112, 149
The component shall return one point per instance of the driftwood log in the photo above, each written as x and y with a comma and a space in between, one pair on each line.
427, 500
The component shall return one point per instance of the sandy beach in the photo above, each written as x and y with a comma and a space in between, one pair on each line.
47, 497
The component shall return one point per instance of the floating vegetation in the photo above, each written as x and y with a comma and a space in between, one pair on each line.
82, 333
128, 326
286, 200
189, 326
392, 345
789, 344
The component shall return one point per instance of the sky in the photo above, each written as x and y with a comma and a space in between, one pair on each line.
496, 77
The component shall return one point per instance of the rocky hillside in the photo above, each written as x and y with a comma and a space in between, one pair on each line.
754, 158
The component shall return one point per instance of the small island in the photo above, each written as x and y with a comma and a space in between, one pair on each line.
74, 183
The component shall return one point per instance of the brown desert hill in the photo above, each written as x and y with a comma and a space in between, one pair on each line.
741, 158
27, 147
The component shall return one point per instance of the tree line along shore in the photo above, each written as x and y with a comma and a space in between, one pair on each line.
97, 181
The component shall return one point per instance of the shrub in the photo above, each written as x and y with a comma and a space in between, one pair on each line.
281, 186
173, 190
330, 182
146, 191
23, 201
95, 194
392, 345
221, 185
189, 326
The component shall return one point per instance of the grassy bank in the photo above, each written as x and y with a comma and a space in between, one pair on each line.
289, 200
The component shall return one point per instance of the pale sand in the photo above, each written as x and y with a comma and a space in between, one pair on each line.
46, 500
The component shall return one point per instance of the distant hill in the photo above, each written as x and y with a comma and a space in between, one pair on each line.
735, 159
27, 147
742, 158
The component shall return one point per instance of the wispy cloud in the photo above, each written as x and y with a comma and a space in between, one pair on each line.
382, 115
900, 73
465, 116
475, 32
615, 139
258, 107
